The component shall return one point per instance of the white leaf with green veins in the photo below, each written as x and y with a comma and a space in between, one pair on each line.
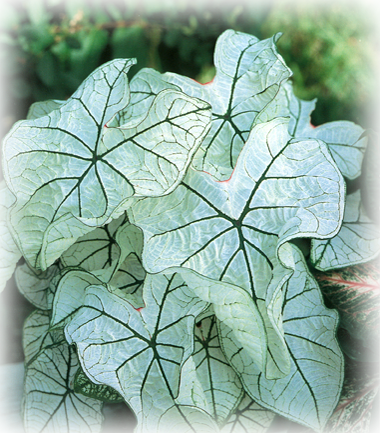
135, 350
280, 189
9, 251
249, 417
235, 307
346, 141
129, 279
70, 295
248, 76
42, 108
286, 104
35, 335
310, 392
98, 252
358, 241
221, 385
37, 285
49, 402
76, 167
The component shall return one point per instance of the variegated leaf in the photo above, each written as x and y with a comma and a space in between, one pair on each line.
355, 292
221, 385
249, 417
149, 346
248, 76
311, 390
37, 286
79, 178
50, 404
358, 240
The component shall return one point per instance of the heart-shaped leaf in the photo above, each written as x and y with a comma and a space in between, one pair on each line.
280, 189
310, 392
358, 240
50, 403
248, 76
147, 346
79, 152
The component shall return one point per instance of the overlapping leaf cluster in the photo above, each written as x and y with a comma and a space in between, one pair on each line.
160, 221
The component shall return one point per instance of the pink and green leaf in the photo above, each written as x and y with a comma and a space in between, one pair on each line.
355, 292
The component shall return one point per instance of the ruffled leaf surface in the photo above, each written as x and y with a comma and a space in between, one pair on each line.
358, 240
220, 383
310, 392
149, 346
280, 189
50, 403
346, 141
248, 76
75, 167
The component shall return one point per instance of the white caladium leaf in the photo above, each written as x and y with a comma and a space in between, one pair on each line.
70, 295
358, 240
99, 251
83, 178
220, 383
148, 346
235, 307
35, 335
310, 392
37, 286
280, 189
63, 147
50, 403
42, 108
249, 417
286, 104
347, 143
9, 251
129, 280
248, 76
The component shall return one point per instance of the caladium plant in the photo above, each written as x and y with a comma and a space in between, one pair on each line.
163, 226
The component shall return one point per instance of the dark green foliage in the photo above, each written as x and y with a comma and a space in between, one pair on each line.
84, 386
